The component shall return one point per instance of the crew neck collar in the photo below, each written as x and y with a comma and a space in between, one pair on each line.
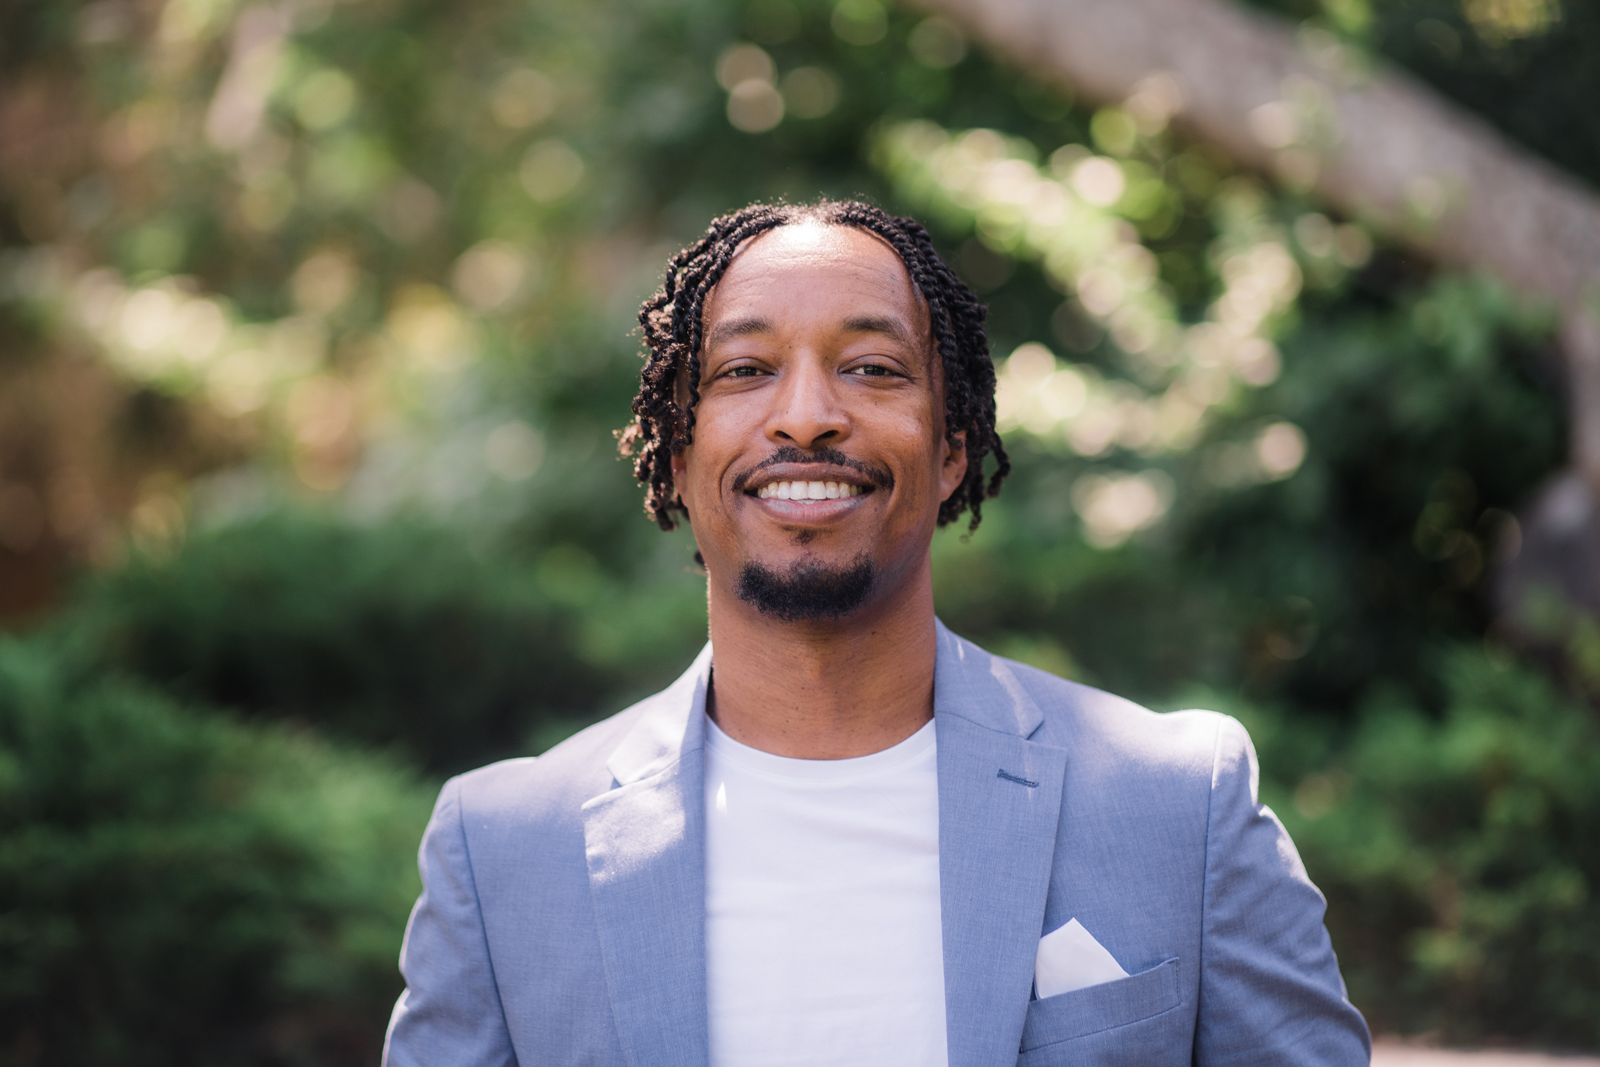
766, 763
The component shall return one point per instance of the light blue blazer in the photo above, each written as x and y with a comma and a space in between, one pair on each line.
562, 919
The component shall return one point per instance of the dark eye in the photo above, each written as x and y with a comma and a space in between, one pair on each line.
872, 370
745, 372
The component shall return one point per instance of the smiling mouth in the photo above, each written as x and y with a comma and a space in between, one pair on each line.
808, 491
811, 485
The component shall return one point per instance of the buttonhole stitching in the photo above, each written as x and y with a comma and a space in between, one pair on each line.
1030, 783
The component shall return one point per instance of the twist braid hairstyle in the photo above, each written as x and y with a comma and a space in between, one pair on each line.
672, 325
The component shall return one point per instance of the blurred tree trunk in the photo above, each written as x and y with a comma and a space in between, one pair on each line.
1367, 139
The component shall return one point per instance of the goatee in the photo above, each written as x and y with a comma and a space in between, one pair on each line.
807, 591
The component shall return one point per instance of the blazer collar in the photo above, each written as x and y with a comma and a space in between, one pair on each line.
999, 798
968, 683
672, 723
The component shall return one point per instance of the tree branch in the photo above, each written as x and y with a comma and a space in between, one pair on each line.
1367, 139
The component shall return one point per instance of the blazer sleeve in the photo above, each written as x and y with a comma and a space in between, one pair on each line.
450, 1011
1270, 990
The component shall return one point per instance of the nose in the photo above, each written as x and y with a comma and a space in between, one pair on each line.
807, 408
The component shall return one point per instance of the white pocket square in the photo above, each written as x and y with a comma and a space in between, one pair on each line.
1069, 958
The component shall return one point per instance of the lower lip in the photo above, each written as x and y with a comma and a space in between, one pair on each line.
808, 512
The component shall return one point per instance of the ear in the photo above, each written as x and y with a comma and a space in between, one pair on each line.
680, 470
953, 468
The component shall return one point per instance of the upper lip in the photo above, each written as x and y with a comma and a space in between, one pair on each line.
806, 472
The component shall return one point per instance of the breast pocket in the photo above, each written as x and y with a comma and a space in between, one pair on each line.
1102, 1007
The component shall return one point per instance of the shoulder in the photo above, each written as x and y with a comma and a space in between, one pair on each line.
549, 788
1111, 733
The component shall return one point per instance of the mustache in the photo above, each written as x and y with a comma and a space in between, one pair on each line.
878, 476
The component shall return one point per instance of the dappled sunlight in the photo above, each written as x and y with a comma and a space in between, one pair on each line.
1074, 216
1065, 216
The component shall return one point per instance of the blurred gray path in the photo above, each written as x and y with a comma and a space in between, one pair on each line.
1393, 1054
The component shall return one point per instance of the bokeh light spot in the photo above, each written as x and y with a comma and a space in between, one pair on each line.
514, 451
744, 62
1281, 448
937, 42
1099, 181
488, 275
324, 99
1113, 131
550, 170
860, 22
754, 106
325, 281
1116, 506
523, 99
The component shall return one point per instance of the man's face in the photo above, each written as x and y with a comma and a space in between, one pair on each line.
819, 377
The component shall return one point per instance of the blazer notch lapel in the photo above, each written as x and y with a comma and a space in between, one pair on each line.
970, 683
999, 804
645, 845
644, 841
670, 723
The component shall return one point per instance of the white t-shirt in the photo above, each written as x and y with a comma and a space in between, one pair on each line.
823, 943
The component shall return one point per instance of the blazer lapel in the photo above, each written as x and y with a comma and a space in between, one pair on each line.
999, 801
645, 841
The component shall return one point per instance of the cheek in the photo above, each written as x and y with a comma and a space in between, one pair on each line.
919, 451
923, 436
698, 468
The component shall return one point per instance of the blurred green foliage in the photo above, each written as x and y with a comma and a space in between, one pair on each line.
1309, 591
179, 889
1527, 66
401, 636
391, 252
1456, 850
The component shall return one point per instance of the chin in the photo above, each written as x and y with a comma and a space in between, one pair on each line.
807, 589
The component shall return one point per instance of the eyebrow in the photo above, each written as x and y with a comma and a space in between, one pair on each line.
727, 331
889, 327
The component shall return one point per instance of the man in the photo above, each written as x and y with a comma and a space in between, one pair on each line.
848, 836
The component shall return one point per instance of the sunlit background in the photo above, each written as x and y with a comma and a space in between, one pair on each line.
316, 324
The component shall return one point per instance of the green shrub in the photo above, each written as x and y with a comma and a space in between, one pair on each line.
398, 635
1459, 854
177, 888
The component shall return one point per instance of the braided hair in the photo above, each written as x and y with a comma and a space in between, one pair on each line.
672, 325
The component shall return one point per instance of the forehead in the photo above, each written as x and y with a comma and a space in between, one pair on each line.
810, 271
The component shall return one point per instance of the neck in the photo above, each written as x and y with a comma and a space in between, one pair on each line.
824, 690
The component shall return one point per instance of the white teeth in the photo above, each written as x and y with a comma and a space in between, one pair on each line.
808, 490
